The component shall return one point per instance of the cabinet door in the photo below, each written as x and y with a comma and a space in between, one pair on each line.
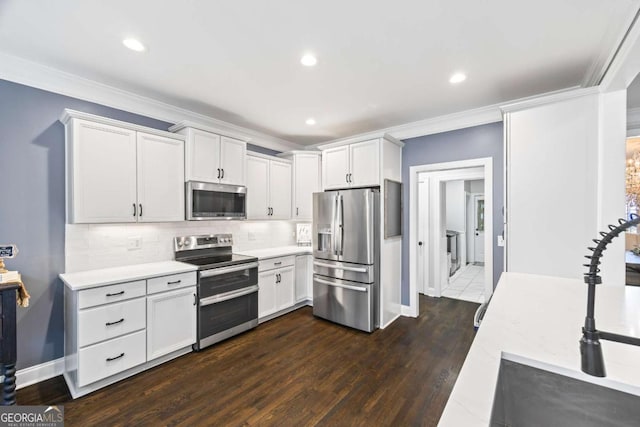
257, 188
280, 190
160, 178
302, 286
365, 163
335, 167
171, 321
202, 153
306, 182
267, 293
102, 173
285, 289
232, 161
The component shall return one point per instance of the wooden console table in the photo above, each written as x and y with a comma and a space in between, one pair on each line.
8, 342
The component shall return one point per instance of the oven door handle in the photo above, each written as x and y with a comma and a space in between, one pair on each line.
228, 295
225, 270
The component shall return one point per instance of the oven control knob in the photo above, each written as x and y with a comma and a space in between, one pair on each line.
187, 242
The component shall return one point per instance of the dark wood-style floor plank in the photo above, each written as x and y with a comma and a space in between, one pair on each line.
295, 370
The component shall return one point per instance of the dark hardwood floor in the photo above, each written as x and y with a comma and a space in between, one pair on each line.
295, 370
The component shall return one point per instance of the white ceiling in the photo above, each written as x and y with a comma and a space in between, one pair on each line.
380, 63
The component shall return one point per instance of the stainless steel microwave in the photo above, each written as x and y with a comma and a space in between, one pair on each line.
205, 200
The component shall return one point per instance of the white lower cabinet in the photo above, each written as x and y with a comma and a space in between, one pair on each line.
113, 331
110, 357
304, 277
171, 321
277, 288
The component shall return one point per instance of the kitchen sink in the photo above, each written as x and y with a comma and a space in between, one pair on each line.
531, 396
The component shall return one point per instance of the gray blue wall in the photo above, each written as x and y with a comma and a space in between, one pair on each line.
463, 144
32, 206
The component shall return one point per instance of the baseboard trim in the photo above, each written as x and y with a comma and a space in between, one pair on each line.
408, 311
37, 373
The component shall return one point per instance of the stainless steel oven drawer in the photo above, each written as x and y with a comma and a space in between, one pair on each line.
344, 270
345, 302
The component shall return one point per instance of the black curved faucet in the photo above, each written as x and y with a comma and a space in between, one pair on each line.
590, 348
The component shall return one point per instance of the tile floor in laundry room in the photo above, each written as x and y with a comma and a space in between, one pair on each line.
467, 284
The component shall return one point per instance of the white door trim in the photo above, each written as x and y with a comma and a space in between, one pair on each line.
487, 163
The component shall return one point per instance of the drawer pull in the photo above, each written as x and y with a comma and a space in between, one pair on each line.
110, 359
175, 282
277, 263
116, 294
114, 323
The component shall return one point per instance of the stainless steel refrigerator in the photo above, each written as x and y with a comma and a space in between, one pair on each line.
346, 257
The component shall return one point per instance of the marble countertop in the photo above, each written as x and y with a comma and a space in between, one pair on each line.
540, 318
108, 276
276, 252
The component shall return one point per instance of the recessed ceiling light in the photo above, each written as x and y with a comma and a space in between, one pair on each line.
308, 60
457, 78
310, 121
134, 44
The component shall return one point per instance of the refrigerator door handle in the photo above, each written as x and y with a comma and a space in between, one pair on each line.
334, 221
338, 285
337, 267
340, 215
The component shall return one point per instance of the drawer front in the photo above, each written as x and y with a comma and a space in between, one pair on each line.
279, 262
111, 357
110, 321
169, 283
111, 293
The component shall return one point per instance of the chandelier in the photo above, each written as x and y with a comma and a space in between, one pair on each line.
633, 180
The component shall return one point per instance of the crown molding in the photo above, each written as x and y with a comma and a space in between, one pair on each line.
69, 114
548, 98
395, 134
626, 63
276, 158
29, 73
605, 55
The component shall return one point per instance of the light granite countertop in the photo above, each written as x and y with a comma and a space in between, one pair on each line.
540, 318
107, 276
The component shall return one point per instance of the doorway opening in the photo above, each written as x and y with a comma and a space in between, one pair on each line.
444, 247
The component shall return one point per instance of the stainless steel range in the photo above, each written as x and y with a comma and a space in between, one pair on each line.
227, 286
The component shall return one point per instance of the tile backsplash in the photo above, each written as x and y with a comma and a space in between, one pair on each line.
92, 246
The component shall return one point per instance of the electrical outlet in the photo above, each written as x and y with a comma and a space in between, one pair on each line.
134, 243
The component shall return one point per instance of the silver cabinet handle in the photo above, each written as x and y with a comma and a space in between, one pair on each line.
355, 269
225, 270
338, 285
228, 295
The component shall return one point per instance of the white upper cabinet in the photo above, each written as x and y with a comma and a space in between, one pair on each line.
232, 161
306, 181
335, 167
160, 182
257, 187
214, 158
202, 151
353, 165
118, 172
268, 187
364, 161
